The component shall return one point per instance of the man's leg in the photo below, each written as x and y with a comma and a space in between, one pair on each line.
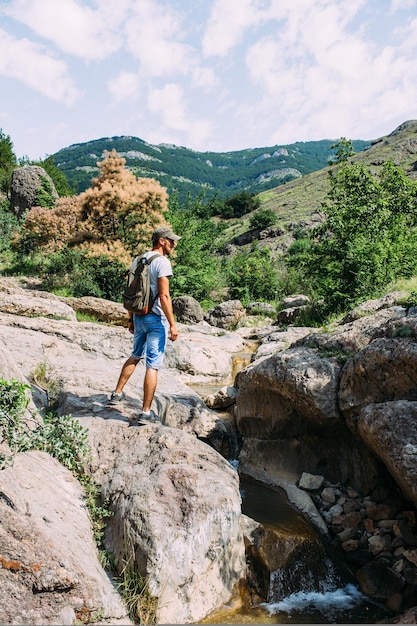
126, 372
149, 387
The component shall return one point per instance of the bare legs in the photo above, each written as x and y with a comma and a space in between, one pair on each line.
149, 384
149, 388
127, 371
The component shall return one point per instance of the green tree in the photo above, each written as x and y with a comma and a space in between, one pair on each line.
60, 180
368, 238
252, 276
197, 270
240, 204
7, 163
263, 218
343, 150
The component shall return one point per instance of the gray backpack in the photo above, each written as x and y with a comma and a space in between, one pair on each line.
137, 297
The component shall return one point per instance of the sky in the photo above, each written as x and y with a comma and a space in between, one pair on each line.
209, 75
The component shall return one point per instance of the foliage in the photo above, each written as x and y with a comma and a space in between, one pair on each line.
368, 239
9, 226
188, 172
114, 218
343, 150
7, 163
120, 207
197, 270
13, 404
263, 218
60, 180
83, 275
240, 204
44, 195
134, 588
252, 276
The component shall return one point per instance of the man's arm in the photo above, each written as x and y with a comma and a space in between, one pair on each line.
166, 305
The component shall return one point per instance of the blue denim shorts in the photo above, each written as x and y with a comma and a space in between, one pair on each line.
149, 339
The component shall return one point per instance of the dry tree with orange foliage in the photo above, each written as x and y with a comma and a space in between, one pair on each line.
115, 216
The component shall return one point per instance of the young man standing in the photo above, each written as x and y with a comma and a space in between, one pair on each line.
151, 331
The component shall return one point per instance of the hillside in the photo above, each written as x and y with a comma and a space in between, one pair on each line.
301, 199
189, 172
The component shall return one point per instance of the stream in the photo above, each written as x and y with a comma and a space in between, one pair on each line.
317, 589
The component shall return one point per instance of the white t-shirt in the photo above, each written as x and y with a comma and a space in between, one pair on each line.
159, 267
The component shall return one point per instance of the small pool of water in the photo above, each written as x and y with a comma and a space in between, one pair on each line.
336, 601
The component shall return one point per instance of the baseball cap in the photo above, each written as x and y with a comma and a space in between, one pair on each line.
166, 233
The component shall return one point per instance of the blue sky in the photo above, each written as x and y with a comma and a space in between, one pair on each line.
216, 75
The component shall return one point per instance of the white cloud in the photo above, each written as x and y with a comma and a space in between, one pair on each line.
125, 86
27, 62
228, 23
154, 38
72, 26
168, 102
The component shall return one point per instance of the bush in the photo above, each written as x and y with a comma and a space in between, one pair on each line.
263, 218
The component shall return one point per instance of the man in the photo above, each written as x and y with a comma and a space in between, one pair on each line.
150, 332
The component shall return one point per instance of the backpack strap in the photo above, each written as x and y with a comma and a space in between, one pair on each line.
148, 261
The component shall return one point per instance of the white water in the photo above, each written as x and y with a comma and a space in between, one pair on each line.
324, 602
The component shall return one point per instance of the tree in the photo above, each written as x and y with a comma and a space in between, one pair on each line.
119, 207
343, 151
368, 238
60, 180
240, 204
252, 276
7, 163
115, 217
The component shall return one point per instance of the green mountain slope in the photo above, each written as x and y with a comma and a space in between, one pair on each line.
300, 200
189, 172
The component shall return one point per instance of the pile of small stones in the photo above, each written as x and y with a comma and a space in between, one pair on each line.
377, 536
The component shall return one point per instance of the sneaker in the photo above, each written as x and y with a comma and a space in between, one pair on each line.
149, 417
116, 397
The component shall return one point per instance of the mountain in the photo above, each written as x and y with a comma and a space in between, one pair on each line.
300, 200
189, 172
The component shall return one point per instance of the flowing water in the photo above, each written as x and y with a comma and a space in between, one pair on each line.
316, 588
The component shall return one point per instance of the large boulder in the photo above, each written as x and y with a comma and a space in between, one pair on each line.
389, 429
187, 310
227, 315
50, 572
287, 394
26, 183
384, 371
177, 510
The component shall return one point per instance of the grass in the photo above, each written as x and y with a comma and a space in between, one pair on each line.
134, 588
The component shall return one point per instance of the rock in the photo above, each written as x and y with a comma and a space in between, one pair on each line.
388, 429
221, 399
187, 310
171, 516
373, 376
31, 305
287, 392
294, 301
26, 182
379, 543
259, 308
227, 315
377, 580
50, 566
371, 306
102, 310
310, 482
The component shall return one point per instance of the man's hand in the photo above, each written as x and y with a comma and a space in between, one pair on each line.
173, 332
131, 327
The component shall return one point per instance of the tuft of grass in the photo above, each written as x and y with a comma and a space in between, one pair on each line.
134, 588
86, 317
